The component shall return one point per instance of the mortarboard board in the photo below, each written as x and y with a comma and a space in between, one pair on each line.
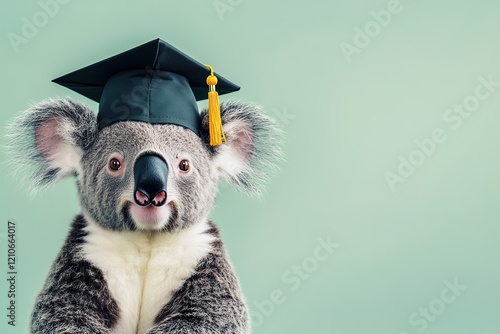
154, 83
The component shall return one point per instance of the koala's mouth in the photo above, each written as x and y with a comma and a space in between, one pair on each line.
152, 217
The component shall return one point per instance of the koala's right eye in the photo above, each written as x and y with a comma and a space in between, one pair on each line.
115, 164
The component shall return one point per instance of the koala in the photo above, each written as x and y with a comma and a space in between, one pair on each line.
143, 255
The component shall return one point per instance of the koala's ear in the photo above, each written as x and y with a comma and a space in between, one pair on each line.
252, 147
49, 139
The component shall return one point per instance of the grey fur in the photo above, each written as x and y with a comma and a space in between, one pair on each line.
167, 140
21, 134
265, 151
75, 298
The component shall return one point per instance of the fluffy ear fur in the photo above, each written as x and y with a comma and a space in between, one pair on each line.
252, 147
49, 139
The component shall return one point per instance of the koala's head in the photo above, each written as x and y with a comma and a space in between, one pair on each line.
135, 175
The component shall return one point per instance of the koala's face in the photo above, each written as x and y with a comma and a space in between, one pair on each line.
134, 175
107, 183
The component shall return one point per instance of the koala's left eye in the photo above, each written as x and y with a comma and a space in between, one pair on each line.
184, 165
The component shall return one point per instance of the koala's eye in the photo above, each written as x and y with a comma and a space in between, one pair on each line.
114, 164
184, 165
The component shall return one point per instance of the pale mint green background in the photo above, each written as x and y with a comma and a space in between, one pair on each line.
347, 123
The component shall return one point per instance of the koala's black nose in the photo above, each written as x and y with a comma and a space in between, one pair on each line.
150, 177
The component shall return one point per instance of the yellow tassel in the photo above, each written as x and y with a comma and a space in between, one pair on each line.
216, 131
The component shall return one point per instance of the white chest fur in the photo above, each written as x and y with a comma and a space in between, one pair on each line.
143, 271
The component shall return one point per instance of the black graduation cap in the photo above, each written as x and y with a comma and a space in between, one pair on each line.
153, 83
